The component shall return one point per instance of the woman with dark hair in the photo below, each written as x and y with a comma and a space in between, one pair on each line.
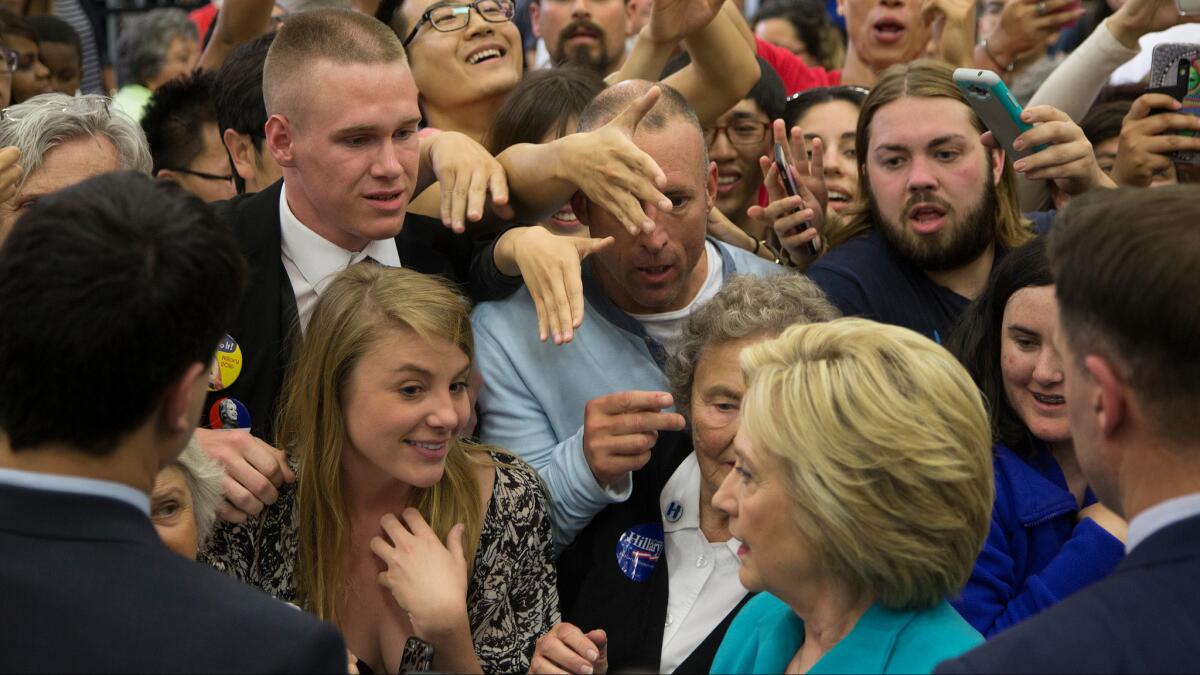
831, 114
1049, 536
804, 28
30, 76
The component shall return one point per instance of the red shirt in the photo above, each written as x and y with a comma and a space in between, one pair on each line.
795, 73
203, 18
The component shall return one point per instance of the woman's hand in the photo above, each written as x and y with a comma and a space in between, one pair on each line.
1111, 522
1067, 159
566, 649
797, 220
427, 579
613, 172
1148, 139
1026, 25
550, 264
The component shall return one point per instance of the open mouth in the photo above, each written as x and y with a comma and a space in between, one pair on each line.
1046, 399
838, 199
485, 55
726, 181
888, 30
387, 200
565, 218
926, 218
654, 273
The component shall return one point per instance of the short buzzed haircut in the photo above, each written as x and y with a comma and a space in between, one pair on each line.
340, 36
615, 99
1125, 270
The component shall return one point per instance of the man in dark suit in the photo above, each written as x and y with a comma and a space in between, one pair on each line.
1125, 266
113, 294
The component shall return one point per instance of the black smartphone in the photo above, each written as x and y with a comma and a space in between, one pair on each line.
789, 185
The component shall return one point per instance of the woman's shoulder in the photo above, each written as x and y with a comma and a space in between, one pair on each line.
517, 483
762, 638
932, 636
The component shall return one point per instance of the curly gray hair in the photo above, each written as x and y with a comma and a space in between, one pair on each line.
145, 41
203, 477
746, 306
47, 120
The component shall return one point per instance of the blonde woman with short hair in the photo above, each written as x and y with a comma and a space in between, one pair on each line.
862, 493
425, 550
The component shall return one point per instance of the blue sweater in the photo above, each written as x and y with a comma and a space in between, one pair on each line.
534, 392
766, 634
1036, 553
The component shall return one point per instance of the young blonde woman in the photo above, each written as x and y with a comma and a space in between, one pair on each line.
423, 549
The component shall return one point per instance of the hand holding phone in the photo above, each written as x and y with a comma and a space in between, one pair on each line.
988, 96
789, 185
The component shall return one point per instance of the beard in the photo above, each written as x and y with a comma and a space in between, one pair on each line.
582, 55
964, 238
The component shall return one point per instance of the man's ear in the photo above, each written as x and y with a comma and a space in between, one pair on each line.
240, 153
280, 137
534, 11
183, 400
169, 176
841, 7
710, 187
997, 157
1110, 403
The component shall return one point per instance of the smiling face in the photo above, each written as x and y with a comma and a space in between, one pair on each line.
482, 61
171, 512
349, 170
834, 123
66, 164
1030, 364
882, 33
405, 401
738, 173
775, 555
582, 32
563, 221
659, 271
932, 181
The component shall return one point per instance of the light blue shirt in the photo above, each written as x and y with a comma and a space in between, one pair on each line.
91, 487
534, 393
1160, 516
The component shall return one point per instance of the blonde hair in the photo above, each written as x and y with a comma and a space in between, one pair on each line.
885, 450
363, 305
927, 78
341, 36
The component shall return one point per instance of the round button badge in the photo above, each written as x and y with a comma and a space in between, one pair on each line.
226, 365
228, 413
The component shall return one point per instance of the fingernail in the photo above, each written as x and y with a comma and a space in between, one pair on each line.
586, 670
592, 654
1019, 165
1019, 144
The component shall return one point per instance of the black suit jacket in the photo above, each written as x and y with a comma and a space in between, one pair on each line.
1143, 618
87, 586
595, 593
266, 328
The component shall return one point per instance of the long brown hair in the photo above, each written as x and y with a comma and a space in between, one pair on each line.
927, 78
361, 305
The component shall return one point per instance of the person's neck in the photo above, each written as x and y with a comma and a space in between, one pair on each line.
473, 118
714, 523
308, 217
1155, 472
855, 71
368, 492
1064, 453
829, 614
968, 280
134, 463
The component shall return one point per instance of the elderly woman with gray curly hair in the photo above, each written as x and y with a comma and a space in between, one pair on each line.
184, 501
655, 578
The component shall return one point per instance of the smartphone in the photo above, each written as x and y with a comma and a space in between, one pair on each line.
1188, 6
789, 184
1175, 70
992, 101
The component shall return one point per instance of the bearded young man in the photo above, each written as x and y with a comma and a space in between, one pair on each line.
937, 205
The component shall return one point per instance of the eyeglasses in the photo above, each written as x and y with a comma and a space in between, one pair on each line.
11, 57
451, 16
741, 133
91, 105
199, 174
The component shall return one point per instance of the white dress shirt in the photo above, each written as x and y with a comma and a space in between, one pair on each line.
703, 582
1160, 516
312, 261
77, 485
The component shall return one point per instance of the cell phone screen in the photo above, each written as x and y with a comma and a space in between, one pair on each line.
1191, 97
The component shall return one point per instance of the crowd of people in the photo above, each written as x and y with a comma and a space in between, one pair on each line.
596, 336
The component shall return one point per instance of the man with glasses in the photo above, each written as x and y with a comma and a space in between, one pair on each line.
181, 127
65, 140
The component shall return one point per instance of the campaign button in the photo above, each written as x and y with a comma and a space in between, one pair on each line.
638, 550
228, 413
674, 512
226, 365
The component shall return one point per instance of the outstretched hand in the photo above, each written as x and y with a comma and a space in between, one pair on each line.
674, 20
1148, 139
1066, 156
613, 172
467, 174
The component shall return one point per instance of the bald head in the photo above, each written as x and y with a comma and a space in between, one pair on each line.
337, 36
670, 110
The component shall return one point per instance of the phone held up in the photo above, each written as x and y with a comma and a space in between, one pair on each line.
1175, 71
789, 184
995, 104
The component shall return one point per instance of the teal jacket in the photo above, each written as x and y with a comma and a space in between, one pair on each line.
766, 634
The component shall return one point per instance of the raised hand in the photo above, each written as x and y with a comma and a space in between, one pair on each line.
673, 20
613, 172
1026, 25
1138, 17
1148, 139
620, 429
467, 173
1067, 158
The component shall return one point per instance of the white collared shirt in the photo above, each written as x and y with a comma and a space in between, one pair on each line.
703, 581
1160, 516
312, 261
77, 485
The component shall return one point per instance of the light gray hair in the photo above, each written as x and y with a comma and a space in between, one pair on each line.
145, 41
746, 306
48, 120
203, 477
